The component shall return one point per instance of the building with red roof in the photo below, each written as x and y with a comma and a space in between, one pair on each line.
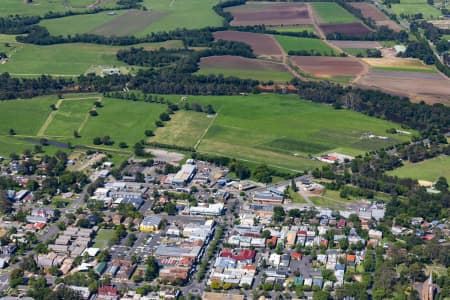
108, 293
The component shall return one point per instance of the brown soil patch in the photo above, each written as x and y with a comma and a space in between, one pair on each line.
389, 23
347, 29
430, 87
321, 66
238, 62
277, 13
369, 11
357, 44
262, 44
129, 23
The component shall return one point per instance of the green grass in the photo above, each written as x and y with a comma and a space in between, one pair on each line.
185, 129
414, 7
290, 43
332, 13
294, 29
40, 7
283, 130
165, 15
356, 51
102, 238
430, 169
66, 59
398, 69
260, 75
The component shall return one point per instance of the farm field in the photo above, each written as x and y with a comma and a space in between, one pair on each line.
270, 13
399, 64
185, 129
332, 13
369, 11
262, 44
346, 29
327, 67
309, 29
290, 43
292, 129
412, 7
66, 59
160, 16
429, 170
429, 87
40, 7
357, 44
244, 68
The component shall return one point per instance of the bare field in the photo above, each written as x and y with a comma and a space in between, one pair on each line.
369, 11
357, 44
321, 66
389, 23
270, 13
348, 29
262, 44
429, 87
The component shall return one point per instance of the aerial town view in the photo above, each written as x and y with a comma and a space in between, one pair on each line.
224, 149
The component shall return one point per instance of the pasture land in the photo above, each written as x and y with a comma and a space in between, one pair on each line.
332, 13
300, 28
185, 129
419, 86
262, 44
429, 170
40, 7
357, 44
290, 43
412, 7
244, 68
270, 13
281, 130
161, 15
66, 59
328, 67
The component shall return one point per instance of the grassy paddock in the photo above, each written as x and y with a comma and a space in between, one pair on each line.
429, 170
332, 13
290, 43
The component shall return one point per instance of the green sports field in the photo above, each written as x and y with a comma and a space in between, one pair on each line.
412, 7
279, 130
332, 13
430, 169
289, 43
161, 15
65, 59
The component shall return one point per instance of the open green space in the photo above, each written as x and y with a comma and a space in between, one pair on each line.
102, 238
429, 170
413, 7
40, 7
185, 129
161, 15
290, 43
332, 13
66, 59
293, 29
359, 52
283, 131
261, 75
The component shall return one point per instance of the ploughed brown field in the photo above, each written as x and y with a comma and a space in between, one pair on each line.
239, 62
347, 29
370, 11
322, 66
262, 44
430, 87
357, 44
270, 13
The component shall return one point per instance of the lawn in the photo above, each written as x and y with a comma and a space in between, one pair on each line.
283, 130
290, 43
429, 170
412, 7
332, 13
185, 129
161, 15
67, 59
102, 238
